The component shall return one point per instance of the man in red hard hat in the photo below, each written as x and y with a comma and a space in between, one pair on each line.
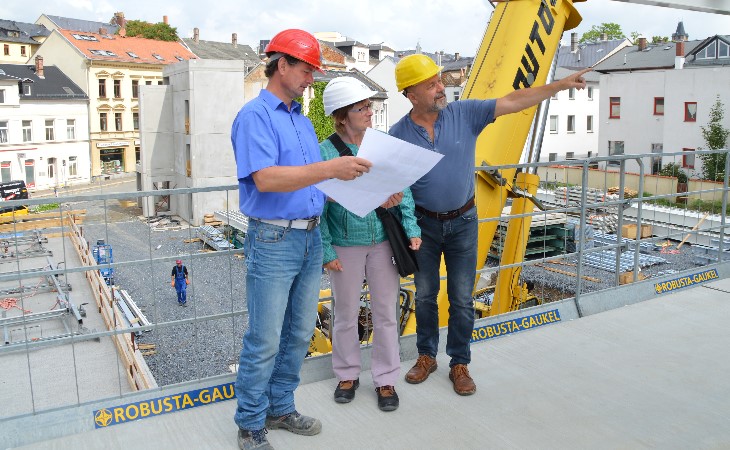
278, 162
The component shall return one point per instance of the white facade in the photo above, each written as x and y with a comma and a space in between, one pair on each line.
397, 105
571, 127
641, 129
43, 142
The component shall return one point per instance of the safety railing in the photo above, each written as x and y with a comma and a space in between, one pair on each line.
71, 359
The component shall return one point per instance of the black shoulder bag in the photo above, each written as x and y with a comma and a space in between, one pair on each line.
404, 257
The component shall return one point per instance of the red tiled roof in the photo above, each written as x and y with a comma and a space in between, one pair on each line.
120, 49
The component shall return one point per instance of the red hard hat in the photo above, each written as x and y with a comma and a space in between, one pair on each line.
179, 261
297, 43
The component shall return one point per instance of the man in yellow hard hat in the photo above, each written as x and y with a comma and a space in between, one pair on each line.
444, 200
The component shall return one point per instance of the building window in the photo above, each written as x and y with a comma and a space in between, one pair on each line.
615, 148
26, 88
589, 124
6, 50
118, 121
658, 106
614, 111
723, 50
589, 90
117, 88
3, 131
457, 95
51, 168
571, 94
135, 88
2, 95
49, 130
73, 169
716, 49
27, 131
70, 129
148, 82
552, 157
102, 121
22, 50
656, 160
102, 88
553, 124
688, 160
571, 124
569, 155
135, 120
5, 171
690, 111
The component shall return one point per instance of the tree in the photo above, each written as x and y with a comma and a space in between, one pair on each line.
158, 31
673, 170
659, 39
323, 125
715, 135
612, 31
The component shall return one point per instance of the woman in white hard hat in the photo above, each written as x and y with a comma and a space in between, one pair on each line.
356, 248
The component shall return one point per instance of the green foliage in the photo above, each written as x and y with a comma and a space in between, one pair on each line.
673, 170
715, 135
158, 31
323, 125
612, 30
659, 39
44, 207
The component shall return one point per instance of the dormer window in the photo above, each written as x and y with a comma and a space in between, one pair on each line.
84, 37
715, 50
158, 57
180, 58
102, 53
24, 88
133, 55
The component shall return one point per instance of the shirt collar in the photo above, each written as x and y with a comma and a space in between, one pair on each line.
275, 102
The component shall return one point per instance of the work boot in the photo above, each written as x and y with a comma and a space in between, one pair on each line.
296, 423
345, 391
463, 384
387, 398
250, 440
425, 365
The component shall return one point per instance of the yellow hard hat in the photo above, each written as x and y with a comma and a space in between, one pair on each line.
413, 69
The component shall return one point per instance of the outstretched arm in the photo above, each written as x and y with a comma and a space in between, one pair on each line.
524, 98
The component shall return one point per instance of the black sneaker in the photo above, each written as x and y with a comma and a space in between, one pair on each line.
387, 398
345, 391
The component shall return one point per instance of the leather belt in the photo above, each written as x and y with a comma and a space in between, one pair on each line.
298, 224
448, 215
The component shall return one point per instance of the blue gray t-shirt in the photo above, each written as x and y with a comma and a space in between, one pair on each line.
450, 184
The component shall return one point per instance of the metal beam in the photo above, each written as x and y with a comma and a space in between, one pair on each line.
708, 6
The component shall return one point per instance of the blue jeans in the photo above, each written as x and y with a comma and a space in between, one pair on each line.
457, 240
181, 289
284, 268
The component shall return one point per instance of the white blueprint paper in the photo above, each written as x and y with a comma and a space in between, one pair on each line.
396, 165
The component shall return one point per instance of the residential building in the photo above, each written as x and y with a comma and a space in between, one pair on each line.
358, 53
656, 97
44, 134
19, 41
112, 69
571, 128
379, 100
396, 105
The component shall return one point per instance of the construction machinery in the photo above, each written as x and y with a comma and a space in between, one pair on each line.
516, 52
103, 254
13, 190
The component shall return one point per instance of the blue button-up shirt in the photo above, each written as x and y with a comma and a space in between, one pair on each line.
266, 133
450, 184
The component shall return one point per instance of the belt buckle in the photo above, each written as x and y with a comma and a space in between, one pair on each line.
312, 224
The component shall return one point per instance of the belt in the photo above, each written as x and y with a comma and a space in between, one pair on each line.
298, 224
448, 215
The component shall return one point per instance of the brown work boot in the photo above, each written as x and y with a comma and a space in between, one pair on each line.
425, 365
463, 384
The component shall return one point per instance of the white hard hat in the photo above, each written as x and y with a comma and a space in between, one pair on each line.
344, 91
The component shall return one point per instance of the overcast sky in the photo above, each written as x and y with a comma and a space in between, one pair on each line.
448, 25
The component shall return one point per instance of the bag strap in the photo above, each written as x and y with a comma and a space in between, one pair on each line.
344, 150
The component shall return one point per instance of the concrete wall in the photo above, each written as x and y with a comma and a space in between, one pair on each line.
207, 95
601, 179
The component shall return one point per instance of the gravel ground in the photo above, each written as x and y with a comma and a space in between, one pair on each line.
189, 351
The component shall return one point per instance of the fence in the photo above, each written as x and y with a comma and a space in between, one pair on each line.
106, 356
